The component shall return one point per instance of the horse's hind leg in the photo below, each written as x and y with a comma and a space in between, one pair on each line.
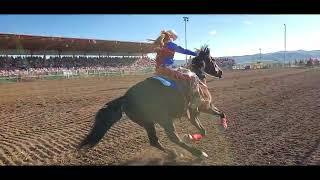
173, 136
154, 141
149, 127
152, 135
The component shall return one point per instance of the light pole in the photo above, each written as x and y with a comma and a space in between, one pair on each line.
285, 44
260, 54
186, 19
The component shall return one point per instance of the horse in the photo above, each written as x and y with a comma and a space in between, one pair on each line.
159, 100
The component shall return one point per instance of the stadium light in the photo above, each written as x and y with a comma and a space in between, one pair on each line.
186, 19
285, 44
260, 54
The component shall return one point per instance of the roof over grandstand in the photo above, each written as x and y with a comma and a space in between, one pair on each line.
10, 43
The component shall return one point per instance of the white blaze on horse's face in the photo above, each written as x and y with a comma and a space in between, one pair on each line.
216, 67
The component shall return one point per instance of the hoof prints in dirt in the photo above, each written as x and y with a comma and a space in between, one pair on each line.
273, 116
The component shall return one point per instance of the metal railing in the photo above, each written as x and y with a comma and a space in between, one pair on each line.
72, 74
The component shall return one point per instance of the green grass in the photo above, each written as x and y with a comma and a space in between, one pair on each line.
52, 77
5, 81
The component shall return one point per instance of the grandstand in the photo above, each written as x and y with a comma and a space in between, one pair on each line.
28, 55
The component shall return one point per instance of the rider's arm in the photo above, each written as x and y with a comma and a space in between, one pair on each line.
179, 49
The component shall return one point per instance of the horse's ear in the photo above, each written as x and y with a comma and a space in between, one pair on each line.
208, 51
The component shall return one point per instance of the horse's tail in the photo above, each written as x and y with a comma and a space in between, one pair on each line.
109, 114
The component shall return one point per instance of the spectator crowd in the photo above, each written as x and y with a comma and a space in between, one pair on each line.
37, 65
308, 62
225, 63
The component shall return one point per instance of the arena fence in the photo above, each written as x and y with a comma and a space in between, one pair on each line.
72, 74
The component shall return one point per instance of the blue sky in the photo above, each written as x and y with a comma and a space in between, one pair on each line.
226, 35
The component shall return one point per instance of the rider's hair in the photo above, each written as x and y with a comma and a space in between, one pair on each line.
164, 36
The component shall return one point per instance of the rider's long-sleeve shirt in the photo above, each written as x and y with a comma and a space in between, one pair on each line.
165, 56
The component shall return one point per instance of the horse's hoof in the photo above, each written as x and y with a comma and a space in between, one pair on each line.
172, 154
187, 138
221, 129
205, 154
201, 155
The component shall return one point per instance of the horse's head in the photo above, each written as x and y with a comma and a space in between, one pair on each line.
204, 62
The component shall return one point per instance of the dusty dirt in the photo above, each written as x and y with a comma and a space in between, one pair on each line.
273, 120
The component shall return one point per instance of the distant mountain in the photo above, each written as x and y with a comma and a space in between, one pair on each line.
277, 56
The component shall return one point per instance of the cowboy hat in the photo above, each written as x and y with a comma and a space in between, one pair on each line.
173, 34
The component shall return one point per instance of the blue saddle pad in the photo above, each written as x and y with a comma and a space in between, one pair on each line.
165, 81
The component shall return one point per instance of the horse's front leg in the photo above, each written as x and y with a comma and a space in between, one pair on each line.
173, 136
216, 112
194, 119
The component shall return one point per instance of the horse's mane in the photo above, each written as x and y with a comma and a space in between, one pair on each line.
198, 62
203, 63
204, 50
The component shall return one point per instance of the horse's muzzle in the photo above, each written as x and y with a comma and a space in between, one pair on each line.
220, 74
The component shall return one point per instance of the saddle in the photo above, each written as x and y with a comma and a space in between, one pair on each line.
169, 77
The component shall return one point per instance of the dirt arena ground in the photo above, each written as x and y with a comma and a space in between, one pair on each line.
273, 120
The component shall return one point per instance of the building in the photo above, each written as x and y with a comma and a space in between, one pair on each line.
257, 65
18, 44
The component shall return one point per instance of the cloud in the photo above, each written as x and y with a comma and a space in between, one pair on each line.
247, 22
212, 33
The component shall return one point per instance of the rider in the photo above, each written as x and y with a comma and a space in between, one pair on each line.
165, 61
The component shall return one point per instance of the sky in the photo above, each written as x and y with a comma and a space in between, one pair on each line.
226, 35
